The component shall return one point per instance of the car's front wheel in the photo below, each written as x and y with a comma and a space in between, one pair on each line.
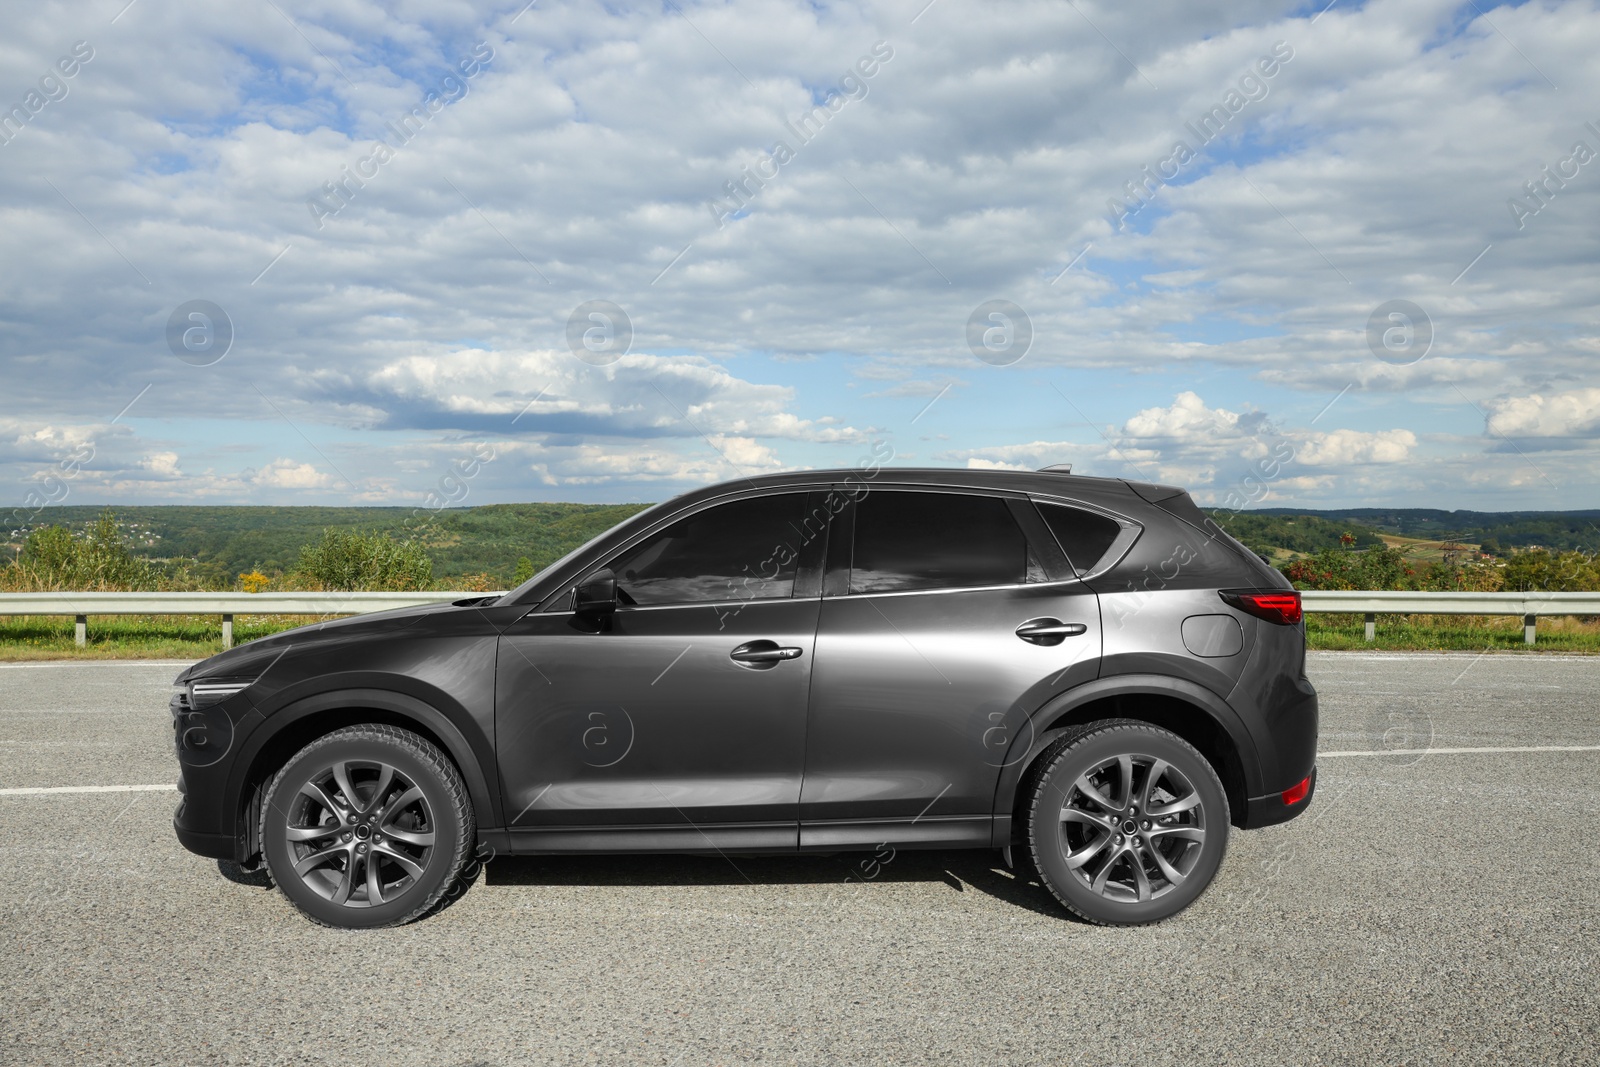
1128, 823
366, 827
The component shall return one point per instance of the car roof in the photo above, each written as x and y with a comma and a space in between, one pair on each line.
1051, 483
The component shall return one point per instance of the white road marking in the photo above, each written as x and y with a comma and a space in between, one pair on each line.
99, 663
1457, 751
1328, 656
87, 789
82, 711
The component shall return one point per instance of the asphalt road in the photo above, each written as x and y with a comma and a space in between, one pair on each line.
1430, 908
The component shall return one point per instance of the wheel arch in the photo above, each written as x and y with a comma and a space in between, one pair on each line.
292, 727
1194, 713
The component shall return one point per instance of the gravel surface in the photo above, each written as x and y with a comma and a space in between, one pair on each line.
1430, 909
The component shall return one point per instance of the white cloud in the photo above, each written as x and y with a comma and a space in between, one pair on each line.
1209, 449
1187, 418
287, 474
638, 395
1570, 414
977, 463
1345, 448
163, 464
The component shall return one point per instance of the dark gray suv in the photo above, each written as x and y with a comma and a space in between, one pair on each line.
1085, 671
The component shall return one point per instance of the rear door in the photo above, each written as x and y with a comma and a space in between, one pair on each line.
948, 617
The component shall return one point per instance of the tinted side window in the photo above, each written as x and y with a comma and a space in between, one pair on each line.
744, 550
908, 541
1083, 535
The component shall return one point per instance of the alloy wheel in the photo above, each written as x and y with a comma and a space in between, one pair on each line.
359, 833
1132, 828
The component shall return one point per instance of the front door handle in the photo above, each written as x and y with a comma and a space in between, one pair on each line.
1048, 631
762, 654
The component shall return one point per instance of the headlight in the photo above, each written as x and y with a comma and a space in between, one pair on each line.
214, 691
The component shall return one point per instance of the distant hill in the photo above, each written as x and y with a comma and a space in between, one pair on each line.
217, 543
1293, 533
1496, 531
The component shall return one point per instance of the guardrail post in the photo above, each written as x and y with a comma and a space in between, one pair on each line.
1372, 627
1528, 624
82, 630
227, 631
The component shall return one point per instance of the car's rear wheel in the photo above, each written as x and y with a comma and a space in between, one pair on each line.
1127, 824
366, 827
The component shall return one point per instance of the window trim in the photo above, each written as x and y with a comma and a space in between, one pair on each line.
837, 583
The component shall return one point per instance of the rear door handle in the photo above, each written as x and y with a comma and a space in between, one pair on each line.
764, 653
1048, 631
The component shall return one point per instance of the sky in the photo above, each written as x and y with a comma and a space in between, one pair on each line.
421, 253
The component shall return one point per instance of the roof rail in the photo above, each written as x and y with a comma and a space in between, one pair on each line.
1057, 468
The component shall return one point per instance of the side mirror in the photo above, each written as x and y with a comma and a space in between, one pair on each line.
596, 594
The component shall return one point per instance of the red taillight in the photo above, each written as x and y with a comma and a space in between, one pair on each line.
1275, 606
1295, 794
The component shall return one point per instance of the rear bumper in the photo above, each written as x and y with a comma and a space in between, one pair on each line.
1270, 809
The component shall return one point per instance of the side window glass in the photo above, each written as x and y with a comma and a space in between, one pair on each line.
908, 541
743, 550
1083, 535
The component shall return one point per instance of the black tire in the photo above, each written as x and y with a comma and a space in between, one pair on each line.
367, 827
1116, 847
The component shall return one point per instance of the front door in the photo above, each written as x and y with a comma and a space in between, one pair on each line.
680, 723
952, 628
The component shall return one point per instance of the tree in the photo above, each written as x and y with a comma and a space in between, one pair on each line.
1545, 571
99, 561
523, 572
351, 559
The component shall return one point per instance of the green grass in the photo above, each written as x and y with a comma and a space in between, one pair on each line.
199, 636
1451, 633
133, 636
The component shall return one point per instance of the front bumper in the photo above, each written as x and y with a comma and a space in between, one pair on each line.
216, 846
200, 841
202, 738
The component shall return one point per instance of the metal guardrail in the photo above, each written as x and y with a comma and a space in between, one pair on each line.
1529, 605
82, 605
1369, 603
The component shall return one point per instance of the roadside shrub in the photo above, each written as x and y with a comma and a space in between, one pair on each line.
1336, 568
351, 559
1535, 570
1552, 572
254, 581
98, 561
